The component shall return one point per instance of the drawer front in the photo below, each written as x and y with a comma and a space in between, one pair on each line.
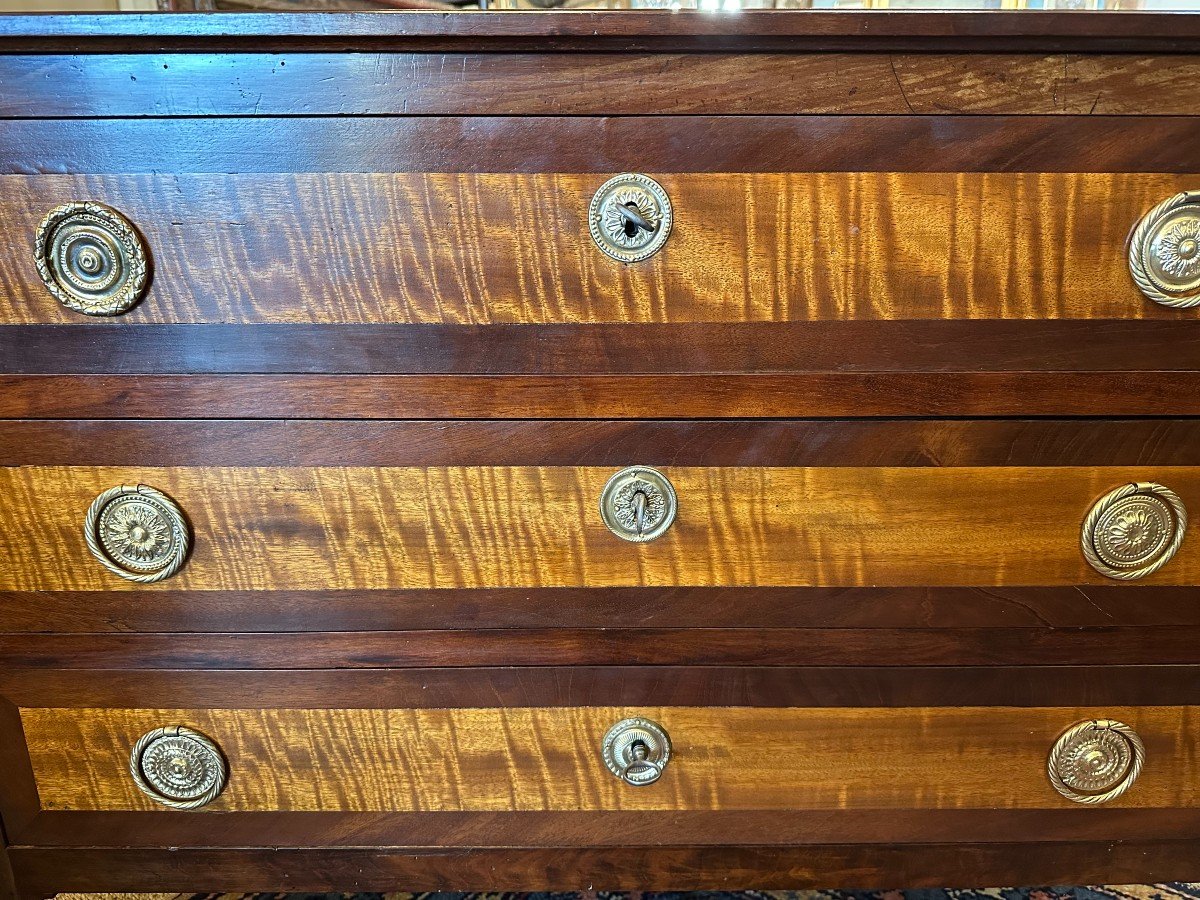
516, 248
550, 759
324, 528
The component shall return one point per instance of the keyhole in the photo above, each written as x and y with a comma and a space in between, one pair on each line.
638, 751
631, 227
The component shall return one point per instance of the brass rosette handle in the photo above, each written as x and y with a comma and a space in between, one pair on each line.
138, 533
1096, 761
630, 217
178, 767
1164, 252
91, 259
636, 750
638, 504
1133, 530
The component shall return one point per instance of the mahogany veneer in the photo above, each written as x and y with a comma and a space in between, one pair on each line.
889, 357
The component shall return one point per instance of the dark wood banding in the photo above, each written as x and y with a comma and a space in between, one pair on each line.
1087, 606
605, 828
820, 395
522, 685
1150, 645
1152, 144
597, 349
639, 31
637, 867
667, 442
435, 83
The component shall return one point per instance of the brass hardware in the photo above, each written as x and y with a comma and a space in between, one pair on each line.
137, 532
91, 259
636, 751
178, 767
630, 217
1096, 761
1164, 252
638, 504
1132, 531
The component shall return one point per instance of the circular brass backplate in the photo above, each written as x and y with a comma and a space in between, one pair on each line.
1133, 530
91, 259
1164, 252
636, 750
178, 767
1095, 761
638, 504
630, 217
137, 532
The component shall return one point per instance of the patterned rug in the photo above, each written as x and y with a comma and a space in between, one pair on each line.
1174, 891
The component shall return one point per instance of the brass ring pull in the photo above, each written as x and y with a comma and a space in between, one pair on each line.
638, 504
178, 767
630, 217
137, 532
91, 259
1134, 530
636, 750
1164, 252
1096, 761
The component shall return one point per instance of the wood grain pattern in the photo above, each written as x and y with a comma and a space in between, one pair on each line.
637, 397
603, 145
547, 759
636, 868
441, 248
325, 528
174, 84
669, 442
872, 685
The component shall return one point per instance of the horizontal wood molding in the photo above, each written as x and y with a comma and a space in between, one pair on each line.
799, 395
369, 528
844, 685
871, 346
636, 868
863, 608
440, 248
846, 442
538, 759
174, 84
638, 31
604, 145
564, 646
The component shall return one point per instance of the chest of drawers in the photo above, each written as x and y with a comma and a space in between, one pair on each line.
598, 450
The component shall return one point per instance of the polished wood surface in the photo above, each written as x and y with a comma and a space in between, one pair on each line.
326, 528
531, 84
633, 868
443, 248
603, 145
547, 759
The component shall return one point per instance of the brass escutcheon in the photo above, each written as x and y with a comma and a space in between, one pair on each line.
91, 259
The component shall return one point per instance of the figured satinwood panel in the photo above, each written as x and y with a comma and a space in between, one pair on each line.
542, 759
323, 528
505, 248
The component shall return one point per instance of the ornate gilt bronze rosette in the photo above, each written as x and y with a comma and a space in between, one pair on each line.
636, 751
638, 504
630, 217
1164, 252
178, 767
1134, 530
1096, 761
91, 259
137, 532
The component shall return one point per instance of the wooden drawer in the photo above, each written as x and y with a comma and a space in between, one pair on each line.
493, 248
375, 528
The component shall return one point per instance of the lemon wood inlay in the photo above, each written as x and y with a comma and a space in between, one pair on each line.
325, 528
549, 759
496, 248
